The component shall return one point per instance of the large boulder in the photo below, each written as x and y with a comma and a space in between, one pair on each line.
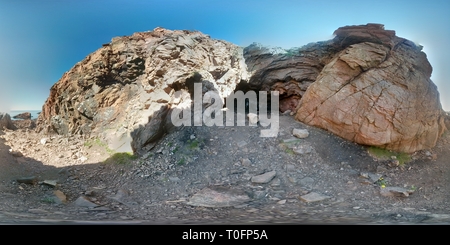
5, 121
366, 85
376, 91
123, 92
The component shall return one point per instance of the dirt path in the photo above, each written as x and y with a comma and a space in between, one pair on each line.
210, 175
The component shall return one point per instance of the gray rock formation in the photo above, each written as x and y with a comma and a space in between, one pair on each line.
5, 121
24, 116
124, 91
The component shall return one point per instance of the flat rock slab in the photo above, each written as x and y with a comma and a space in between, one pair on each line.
51, 183
264, 178
395, 192
313, 197
84, 202
218, 196
28, 180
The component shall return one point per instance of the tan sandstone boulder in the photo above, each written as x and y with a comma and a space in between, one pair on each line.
376, 91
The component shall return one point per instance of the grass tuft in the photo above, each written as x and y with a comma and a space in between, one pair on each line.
383, 154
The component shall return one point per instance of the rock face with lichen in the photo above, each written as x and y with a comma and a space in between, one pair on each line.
366, 85
376, 91
122, 93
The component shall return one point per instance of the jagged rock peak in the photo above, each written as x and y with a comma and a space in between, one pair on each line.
123, 92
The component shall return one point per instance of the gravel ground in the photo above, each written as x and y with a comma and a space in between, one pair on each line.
219, 175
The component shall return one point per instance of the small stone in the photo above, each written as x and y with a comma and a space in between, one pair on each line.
281, 202
300, 133
51, 183
43, 141
394, 163
60, 196
174, 179
276, 182
259, 194
306, 181
192, 137
241, 144
313, 197
264, 178
374, 177
364, 175
302, 149
246, 162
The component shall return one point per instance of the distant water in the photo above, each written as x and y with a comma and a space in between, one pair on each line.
34, 113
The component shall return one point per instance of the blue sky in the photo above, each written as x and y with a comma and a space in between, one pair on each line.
40, 40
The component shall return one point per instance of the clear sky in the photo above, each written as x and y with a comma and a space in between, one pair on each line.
40, 40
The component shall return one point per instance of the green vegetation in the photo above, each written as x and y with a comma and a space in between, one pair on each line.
121, 158
182, 161
382, 182
193, 144
289, 151
175, 150
98, 142
88, 143
383, 154
115, 157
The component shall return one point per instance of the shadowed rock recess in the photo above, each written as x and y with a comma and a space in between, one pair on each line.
366, 85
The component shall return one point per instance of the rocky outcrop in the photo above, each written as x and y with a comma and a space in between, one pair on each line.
24, 116
5, 121
290, 72
366, 85
124, 91
377, 91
